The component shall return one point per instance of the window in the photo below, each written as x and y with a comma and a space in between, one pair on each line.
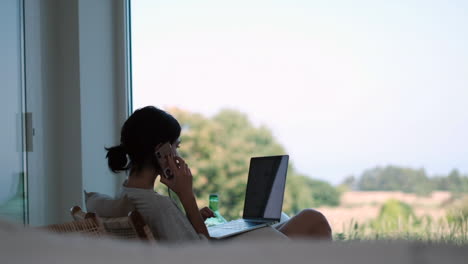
364, 96
13, 202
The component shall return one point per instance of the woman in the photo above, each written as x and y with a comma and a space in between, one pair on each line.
145, 130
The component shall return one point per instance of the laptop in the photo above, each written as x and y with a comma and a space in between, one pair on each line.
263, 197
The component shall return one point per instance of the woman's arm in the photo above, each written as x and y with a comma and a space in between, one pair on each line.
193, 214
182, 185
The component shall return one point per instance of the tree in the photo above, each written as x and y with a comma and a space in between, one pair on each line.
393, 178
349, 183
393, 216
218, 150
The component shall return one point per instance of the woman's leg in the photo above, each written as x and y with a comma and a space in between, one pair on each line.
308, 223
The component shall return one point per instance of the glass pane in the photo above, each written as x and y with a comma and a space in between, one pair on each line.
12, 195
367, 97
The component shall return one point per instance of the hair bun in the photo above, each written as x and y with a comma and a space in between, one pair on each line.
117, 158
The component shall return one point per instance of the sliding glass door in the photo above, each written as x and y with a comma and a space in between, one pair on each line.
13, 199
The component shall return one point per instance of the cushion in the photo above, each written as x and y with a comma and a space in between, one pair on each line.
106, 206
39, 247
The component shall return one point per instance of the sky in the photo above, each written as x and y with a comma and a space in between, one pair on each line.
344, 85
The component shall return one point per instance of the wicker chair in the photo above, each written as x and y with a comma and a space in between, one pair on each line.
127, 227
87, 225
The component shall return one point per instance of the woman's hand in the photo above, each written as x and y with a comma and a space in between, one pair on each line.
206, 213
182, 184
182, 181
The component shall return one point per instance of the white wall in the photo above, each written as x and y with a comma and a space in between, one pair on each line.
101, 112
76, 87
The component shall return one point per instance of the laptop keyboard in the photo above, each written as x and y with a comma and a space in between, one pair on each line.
238, 224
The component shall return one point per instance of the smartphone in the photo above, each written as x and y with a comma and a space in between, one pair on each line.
162, 153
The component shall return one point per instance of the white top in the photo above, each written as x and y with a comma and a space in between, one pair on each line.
161, 214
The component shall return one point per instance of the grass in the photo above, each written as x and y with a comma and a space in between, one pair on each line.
422, 230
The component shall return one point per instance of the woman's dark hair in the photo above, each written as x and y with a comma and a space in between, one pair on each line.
146, 128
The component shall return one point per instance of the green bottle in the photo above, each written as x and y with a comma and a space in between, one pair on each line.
214, 206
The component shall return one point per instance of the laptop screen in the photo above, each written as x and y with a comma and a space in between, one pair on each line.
265, 187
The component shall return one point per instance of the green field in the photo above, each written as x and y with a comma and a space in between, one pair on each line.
398, 225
